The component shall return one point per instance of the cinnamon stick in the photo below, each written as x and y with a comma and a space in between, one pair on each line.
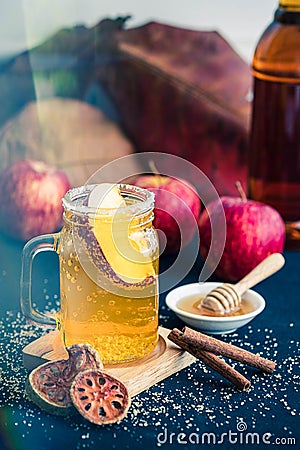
210, 344
211, 360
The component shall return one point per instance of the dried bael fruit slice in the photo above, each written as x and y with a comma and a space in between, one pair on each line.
49, 384
82, 357
99, 397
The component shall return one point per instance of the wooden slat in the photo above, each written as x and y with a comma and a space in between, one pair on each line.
164, 361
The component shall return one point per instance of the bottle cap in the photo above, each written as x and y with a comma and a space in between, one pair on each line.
289, 3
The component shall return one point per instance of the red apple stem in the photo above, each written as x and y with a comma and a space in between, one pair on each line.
155, 171
153, 167
241, 191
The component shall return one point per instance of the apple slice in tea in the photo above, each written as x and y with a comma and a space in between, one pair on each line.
124, 246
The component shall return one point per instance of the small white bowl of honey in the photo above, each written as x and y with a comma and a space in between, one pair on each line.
185, 302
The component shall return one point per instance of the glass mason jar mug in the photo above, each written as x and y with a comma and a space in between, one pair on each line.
108, 259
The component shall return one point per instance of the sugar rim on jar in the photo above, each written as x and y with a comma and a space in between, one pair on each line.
74, 202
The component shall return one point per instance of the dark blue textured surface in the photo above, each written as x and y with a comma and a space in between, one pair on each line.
192, 409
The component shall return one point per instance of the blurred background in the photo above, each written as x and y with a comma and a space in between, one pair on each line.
67, 67
25, 23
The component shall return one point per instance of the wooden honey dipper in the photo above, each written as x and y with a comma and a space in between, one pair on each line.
227, 297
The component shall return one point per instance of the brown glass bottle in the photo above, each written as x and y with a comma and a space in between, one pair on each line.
274, 167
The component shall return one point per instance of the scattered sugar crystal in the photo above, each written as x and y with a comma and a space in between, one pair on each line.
199, 399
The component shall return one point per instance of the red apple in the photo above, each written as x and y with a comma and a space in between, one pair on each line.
177, 209
31, 199
254, 231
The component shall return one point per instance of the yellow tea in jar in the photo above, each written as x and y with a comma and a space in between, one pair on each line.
108, 275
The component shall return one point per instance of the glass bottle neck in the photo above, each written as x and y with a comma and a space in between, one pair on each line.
288, 12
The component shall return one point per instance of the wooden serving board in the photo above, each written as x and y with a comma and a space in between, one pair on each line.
165, 360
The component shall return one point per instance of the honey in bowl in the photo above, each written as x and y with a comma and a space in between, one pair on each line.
191, 304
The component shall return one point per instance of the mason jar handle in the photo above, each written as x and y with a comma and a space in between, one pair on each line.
43, 243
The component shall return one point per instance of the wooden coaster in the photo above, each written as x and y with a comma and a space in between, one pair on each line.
165, 360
